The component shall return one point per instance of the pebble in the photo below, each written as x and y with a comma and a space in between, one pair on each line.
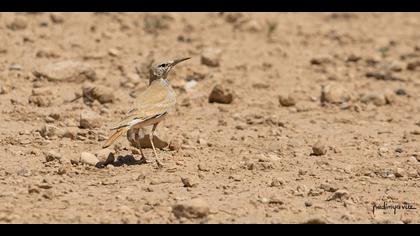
114, 52
211, 57
48, 131
340, 194
40, 101
383, 76
195, 208
276, 182
287, 100
399, 172
203, 168
197, 72
401, 92
375, 98
189, 182
319, 149
66, 71
69, 132
46, 53
252, 26
321, 61
413, 65
334, 93
315, 220
19, 23
89, 120
42, 91
105, 156
145, 142
88, 158
308, 204
56, 18
100, 93
219, 94
52, 155
175, 145
190, 85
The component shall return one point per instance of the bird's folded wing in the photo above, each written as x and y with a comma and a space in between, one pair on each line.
151, 103
138, 116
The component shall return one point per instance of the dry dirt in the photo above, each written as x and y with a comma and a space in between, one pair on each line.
251, 160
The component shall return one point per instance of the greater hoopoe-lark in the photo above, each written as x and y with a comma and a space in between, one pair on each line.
151, 107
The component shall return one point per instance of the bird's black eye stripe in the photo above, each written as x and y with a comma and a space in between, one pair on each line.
162, 65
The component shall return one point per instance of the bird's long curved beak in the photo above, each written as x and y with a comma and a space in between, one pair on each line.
176, 61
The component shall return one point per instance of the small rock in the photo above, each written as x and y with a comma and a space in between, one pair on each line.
19, 23
57, 18
375, 98
252, 26
48, 131
145, 142
413, 65
315, 220
42, 91
319, 149
40, 101
203, 168
232, 17
340, 194
190, 85
415, 132
69, 132
321, 61
16, 67
328, 187
66, 71
412, 174
195, 208
198, 72
189, 182
101, 93
89, 120
389, 97
105, 156
334, 93
276, 182
383, 76
131, 80
220, 95
113, 52
287, 100
88, 158
401, 92
153, 23
399, 172
64, 169
52, 156
399, 150
308, 204
175, 145
211, 57
46, 53
3, 89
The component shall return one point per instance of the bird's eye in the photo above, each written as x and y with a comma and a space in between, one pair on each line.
162, 65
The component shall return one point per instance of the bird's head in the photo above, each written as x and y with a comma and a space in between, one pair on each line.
162, 69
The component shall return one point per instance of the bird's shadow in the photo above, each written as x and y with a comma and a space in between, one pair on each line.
121, 160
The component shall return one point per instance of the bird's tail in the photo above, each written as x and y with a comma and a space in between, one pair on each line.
114, 137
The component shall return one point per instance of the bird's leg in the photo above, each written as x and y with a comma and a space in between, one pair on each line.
153, 145
143, 158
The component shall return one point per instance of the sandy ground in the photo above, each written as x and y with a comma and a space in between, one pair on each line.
349, 87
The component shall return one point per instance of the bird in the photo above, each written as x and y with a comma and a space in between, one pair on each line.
151, 107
